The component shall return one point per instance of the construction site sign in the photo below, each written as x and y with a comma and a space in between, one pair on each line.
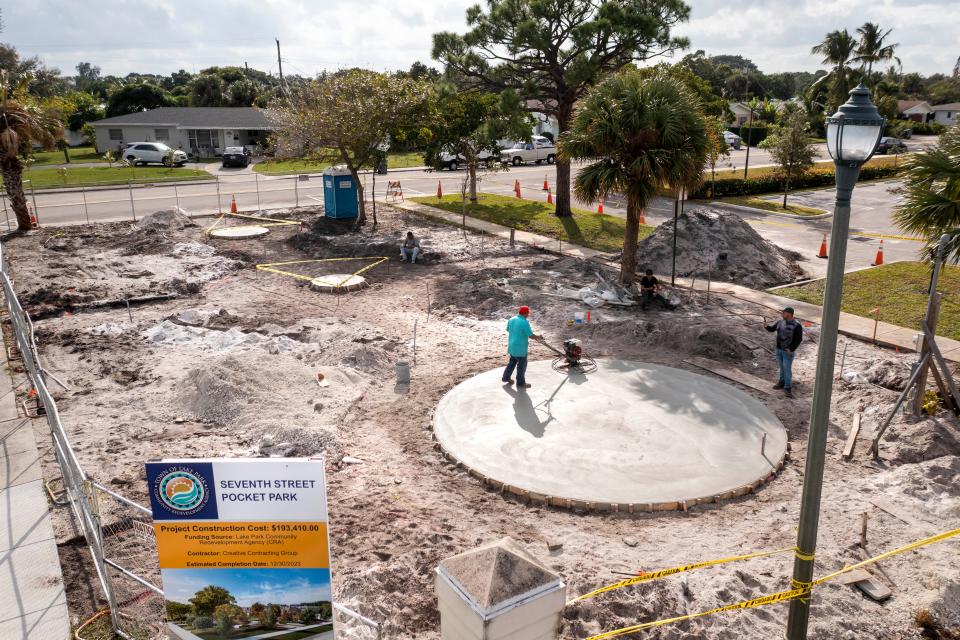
242, 543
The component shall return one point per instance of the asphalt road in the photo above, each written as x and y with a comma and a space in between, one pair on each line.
870, 219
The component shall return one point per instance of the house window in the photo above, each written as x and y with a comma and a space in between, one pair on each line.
161, 134
116, 134
200, 138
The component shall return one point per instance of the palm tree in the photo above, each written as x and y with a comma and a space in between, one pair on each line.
930, 192
641, 136
873, 47
837, 50
23, 123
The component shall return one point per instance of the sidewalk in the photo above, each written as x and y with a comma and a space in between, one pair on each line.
888, 335
32, 600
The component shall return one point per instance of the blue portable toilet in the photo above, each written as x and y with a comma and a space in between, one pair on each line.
339, 193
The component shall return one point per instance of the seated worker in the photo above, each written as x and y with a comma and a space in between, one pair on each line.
410, 249
650, 290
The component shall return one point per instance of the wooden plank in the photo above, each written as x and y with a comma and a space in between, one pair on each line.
874, 590
852, 438
735, 375
852, 576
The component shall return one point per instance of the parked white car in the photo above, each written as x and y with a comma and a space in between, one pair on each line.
455, 161
537, 150
731, 139
153, 152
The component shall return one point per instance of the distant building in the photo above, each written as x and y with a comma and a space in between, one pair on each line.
946, 114
200, 131
545, 125
916, 110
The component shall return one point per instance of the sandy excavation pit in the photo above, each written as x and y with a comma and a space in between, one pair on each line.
215, 358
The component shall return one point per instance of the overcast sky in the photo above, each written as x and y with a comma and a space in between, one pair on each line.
161, 36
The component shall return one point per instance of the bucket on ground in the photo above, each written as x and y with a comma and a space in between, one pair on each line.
403, 372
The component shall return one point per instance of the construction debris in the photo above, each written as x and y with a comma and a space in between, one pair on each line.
715, 244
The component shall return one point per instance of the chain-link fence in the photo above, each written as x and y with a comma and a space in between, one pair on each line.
118, 531
135, 199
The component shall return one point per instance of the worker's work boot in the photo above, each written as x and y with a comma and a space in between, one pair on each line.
788, 393
779, 385
525, 385
510, 381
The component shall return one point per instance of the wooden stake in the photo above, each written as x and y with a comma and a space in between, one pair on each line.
863, 529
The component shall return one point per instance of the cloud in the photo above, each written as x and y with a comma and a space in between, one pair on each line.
161, 36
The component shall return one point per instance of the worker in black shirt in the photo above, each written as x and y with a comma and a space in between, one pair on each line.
789, 336
649, 290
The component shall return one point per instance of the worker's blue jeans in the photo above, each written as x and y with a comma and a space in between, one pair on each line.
785, 358
520, 364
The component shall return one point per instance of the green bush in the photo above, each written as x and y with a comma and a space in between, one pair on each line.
928, 128
772, 183
752, 135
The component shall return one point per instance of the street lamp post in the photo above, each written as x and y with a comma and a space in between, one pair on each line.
852, 136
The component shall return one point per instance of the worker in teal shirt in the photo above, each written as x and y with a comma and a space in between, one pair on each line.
519, 332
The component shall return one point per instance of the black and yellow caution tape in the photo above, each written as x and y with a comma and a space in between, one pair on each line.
272, 267
799, 590
663, 573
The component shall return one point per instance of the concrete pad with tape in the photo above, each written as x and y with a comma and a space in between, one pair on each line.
631, 436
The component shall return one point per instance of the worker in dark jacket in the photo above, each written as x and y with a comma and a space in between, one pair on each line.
789, 335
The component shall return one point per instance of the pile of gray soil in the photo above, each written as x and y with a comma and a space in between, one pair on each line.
721, 245
166, 220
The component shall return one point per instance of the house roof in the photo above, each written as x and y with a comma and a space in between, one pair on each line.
950, 106
907, 105
497, 573
194, 118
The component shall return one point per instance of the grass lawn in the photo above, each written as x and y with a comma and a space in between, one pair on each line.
77, 155
586, 228
49, 178
774, 205
394, 161
732, 174
899, 289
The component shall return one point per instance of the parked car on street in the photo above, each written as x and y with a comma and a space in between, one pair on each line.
235, 157
732, 139
455, 161
153, 153
891, 145
537, 150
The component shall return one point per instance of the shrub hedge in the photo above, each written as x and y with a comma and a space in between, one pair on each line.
772, 183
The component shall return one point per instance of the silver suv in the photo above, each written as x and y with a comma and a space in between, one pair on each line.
153, 152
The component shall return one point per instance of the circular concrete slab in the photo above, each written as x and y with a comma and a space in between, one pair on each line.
630, 437
338, 281
243, 232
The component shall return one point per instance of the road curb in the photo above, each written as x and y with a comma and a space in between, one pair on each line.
739, 207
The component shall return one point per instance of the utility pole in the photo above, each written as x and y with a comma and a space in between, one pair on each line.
746, 92
279, 63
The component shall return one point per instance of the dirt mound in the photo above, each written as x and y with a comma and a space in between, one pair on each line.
702, 339
926, 439
166, 220
710, 241
888, 374
236, 391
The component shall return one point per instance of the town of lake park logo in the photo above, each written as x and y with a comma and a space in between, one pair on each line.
181, 491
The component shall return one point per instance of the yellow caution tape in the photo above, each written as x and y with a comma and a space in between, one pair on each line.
271, 267
804, 589
264, 222
656, 575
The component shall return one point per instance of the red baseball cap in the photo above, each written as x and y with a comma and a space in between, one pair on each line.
524, 310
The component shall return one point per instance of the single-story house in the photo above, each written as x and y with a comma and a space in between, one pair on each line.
200, 131
946, 114
916, 110
741, 113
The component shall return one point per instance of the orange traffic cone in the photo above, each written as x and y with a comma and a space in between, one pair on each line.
879, 259
549, 197
600, 207
33, 217
516, 187
823, 247
233, 204
643, 219
546, 185
439, 190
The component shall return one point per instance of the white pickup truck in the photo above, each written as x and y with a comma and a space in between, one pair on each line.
537, 150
